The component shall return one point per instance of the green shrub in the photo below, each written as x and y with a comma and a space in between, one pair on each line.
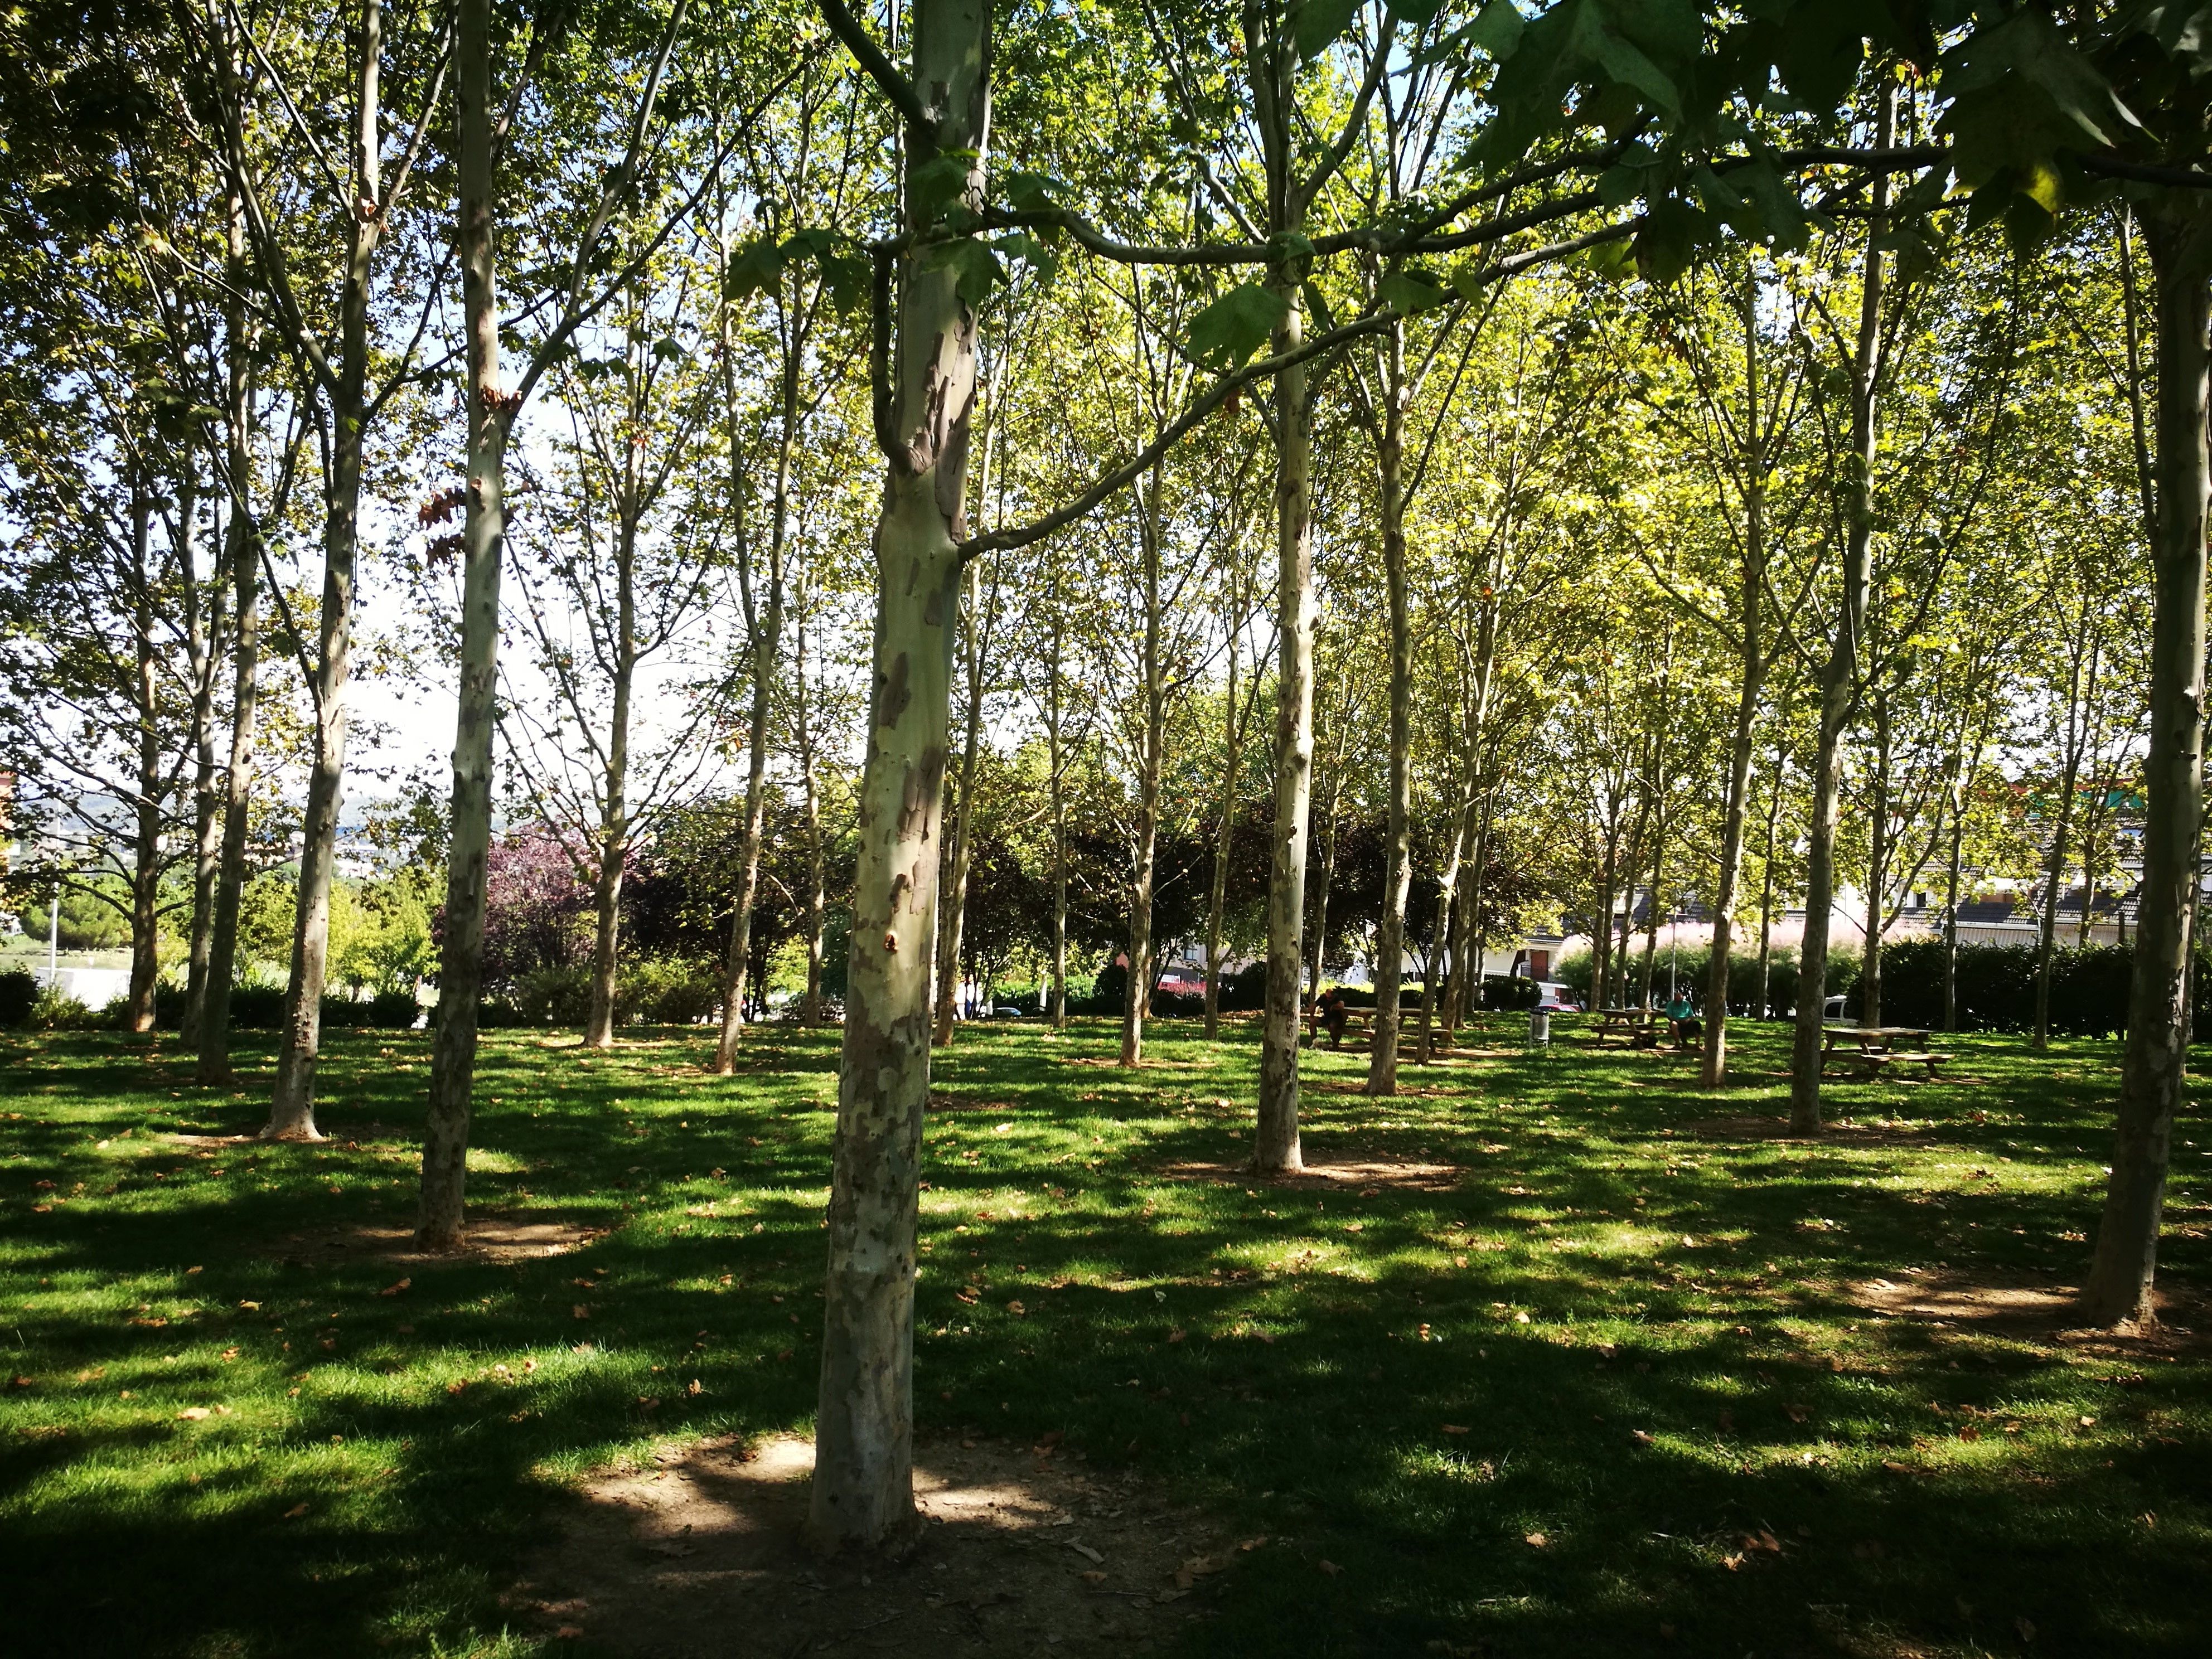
663, 991
256, 1007
554, 996
394, 1011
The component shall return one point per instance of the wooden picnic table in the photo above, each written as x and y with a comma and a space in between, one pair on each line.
1625, 1024
1872, 1049
1355, 1019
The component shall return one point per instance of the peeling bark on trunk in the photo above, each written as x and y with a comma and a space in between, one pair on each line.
863, 1487
810, 1010
483, 533
2121, 1277
1276, 1149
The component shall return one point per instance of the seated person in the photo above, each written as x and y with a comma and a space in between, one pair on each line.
1689, 1030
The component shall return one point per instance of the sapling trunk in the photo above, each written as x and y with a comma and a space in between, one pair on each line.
152, 787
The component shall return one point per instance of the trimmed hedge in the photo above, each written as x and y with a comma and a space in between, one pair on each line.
19, 995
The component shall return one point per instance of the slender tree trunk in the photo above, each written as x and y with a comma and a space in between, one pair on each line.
613, 839
1138, 1003
1217, 896
1951, 901
1276, 1148
1878, 852
1839, 674
954, 901
1767, 894
765, 652
1469, 880
2054, 880
1751, 667
863, 1488
2121, 1277
1398, 870
204, 631
1058, 757
244, 558
152, 787
292, 1106
1441, 931
1651, 905
483, 533
810, 1011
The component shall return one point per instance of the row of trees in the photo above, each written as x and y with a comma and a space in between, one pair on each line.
1728, 452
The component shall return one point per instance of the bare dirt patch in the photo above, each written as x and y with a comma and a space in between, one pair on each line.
2040, 1312
1022, 1552
486, 1238
1405, 1175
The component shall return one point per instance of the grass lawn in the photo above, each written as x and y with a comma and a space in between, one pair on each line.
1579, 1379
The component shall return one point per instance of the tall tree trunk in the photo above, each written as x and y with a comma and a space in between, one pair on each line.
483, 533
2054, 880
1057, 755
1276, 1147
1878, 852
955, 901
152, 787
1840, 673
1440, 930
292, 1106
810, 1010
1217, 894
1398, 871
863, 1487
766, 630
1750, 670
1139, 1002
244, 558
2121, 1277
613, 840
1766, 891
203, 631
1956, 863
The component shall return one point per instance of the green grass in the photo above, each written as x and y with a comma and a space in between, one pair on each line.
1647, 1335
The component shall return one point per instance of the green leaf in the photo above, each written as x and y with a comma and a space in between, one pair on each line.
1227, 333
1021, 245
1033, 192
1613, 261
847, 275
757, 265
1621, 60
1315, 24
1407, 292
1496, 31
933, 186
976, 267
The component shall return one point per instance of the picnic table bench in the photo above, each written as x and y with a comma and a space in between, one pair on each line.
1629, 1025
1361, 1020
1874, 1048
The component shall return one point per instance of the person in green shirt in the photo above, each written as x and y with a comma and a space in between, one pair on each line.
1689, 1030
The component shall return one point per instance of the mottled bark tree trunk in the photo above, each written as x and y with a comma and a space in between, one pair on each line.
863, 1487
483, 533
2122, 1275
203, 630
1138, 1004
954, 901
810, 1010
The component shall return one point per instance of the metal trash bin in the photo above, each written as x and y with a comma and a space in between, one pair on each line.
1539, 1029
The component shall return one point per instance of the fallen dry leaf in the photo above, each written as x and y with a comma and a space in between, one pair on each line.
1331, 1568
295, 1511
394, 1290
1536, 1541
1456, 1428
1641, 1436
1094, 1576
580, 1311
194, 1413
